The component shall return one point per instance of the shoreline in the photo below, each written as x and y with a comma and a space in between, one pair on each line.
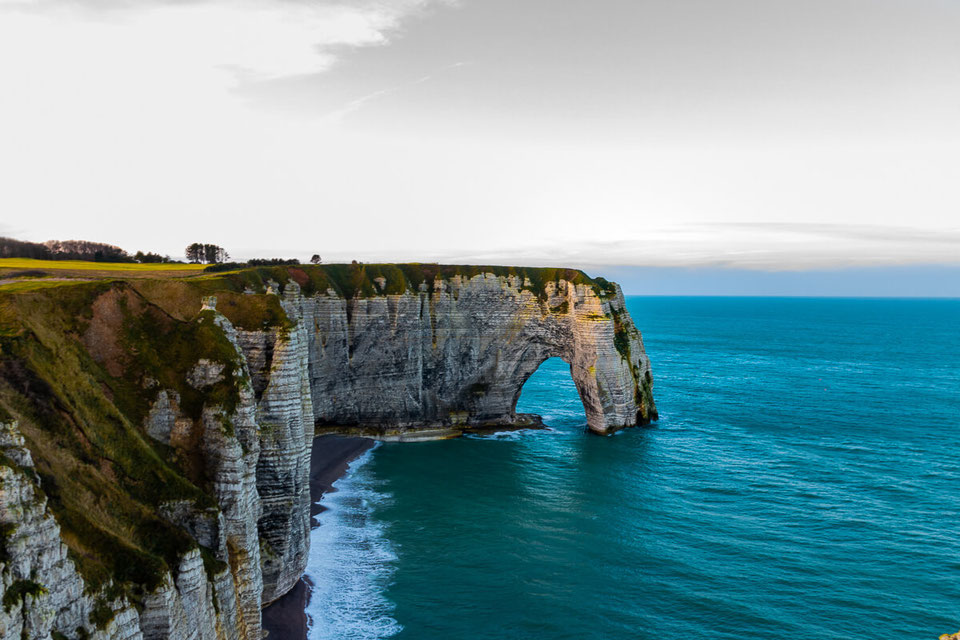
523, 421
330, 457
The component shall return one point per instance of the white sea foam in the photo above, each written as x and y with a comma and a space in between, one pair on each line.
351, 563
498, 435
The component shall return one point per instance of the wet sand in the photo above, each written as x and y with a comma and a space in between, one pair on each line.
286, 618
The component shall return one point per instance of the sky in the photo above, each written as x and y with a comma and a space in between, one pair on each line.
670, 137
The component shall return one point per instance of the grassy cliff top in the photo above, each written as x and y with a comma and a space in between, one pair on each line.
363, 280
348, 280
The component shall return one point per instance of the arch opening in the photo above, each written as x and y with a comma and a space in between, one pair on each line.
551, 393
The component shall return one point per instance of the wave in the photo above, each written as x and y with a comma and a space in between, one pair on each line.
351, 562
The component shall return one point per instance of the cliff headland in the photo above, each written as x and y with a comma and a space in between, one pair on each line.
156, 432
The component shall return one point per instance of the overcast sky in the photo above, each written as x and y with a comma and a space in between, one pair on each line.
759, 134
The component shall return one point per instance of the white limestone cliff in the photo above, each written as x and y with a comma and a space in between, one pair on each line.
458, 355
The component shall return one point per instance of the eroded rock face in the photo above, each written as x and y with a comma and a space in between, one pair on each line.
459, 354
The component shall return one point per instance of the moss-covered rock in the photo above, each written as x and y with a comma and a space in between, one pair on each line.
17, 593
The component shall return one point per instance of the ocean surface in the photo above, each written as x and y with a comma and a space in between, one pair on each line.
803, 482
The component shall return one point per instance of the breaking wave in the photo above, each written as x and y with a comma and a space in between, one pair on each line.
351, 563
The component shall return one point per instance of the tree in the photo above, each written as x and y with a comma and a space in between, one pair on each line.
10, 248
206, 253
214, 255
194, 253
315, 259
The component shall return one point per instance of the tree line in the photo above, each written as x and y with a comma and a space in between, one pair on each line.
196, 253
73, 250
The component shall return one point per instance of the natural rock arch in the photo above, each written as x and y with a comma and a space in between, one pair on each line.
458, 354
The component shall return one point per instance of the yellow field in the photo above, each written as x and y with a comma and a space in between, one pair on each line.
79, 265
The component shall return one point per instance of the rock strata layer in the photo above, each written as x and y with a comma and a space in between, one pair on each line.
457, 355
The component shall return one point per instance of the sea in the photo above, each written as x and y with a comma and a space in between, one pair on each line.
803, 482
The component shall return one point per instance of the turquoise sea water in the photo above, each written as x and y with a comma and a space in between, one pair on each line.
803, 482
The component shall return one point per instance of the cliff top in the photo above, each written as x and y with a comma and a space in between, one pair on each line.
348, 280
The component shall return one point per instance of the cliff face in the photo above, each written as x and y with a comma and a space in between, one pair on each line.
155, 443
285, 417
459, 353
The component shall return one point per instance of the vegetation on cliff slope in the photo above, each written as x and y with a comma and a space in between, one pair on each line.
79, 366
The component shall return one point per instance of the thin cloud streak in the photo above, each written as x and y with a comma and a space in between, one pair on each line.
847, 231
359, 103
355, 105
754, 246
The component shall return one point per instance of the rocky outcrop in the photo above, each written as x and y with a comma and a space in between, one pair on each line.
229, 442
404, 357
458, 353
259, 465
285, 419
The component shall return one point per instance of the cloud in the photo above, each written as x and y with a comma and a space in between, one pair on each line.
130, 113
246, 40
138, 123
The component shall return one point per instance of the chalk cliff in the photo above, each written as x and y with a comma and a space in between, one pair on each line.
155, 435
457, 352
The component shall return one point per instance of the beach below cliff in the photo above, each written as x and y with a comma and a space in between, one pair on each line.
286, 618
